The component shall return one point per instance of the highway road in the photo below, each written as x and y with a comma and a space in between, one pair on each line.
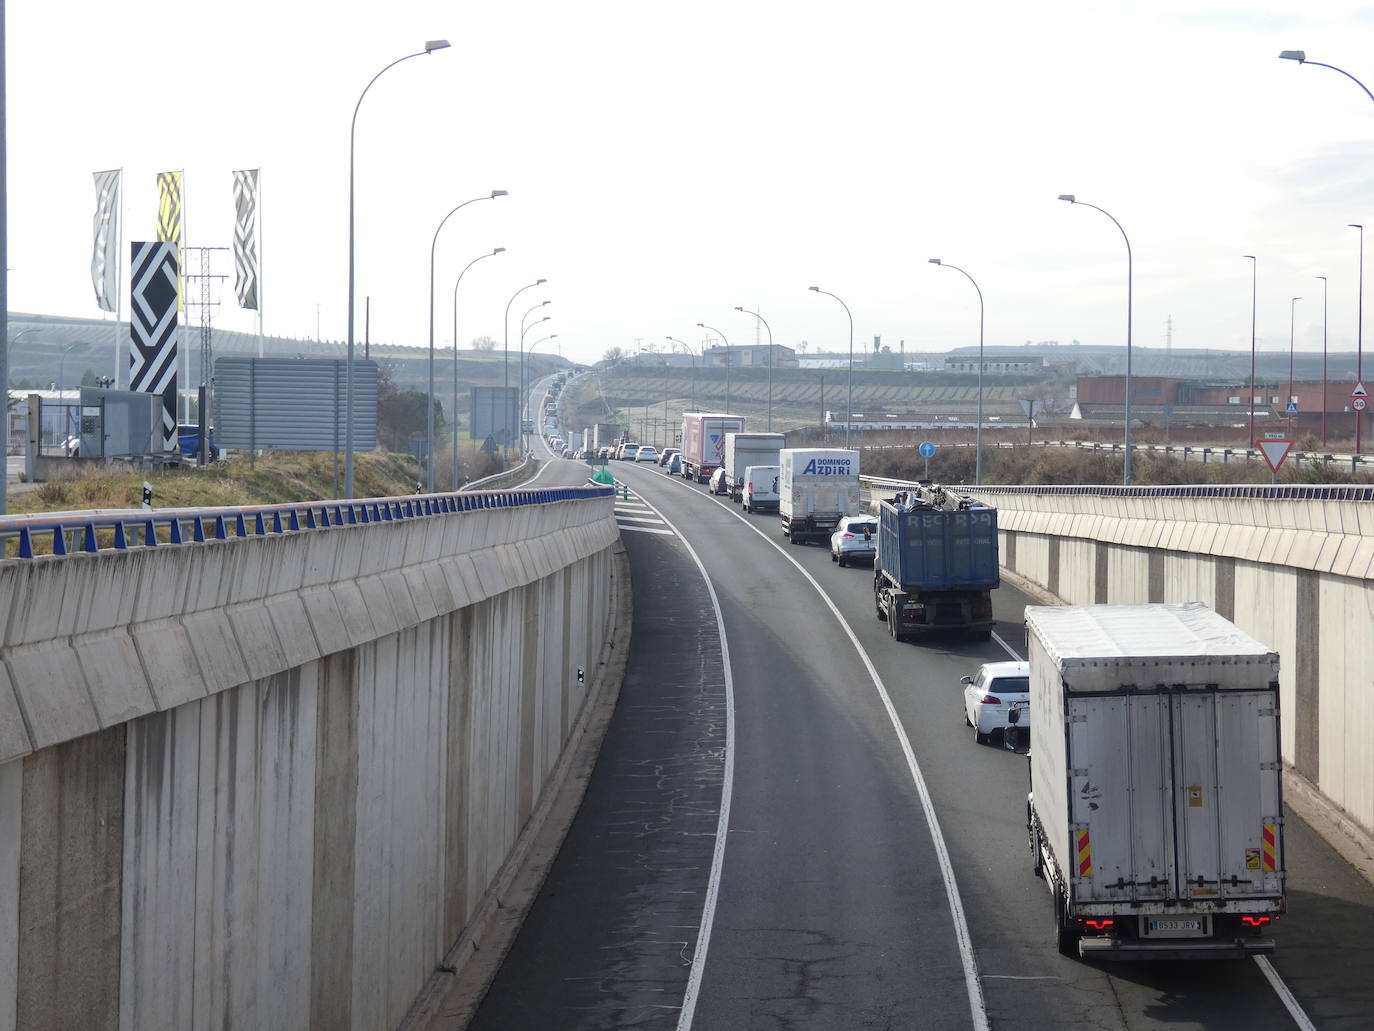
875, 872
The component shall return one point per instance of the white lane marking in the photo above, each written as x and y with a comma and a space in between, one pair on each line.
978, 1009
639, 519
1285, 996
647, 529
708, 915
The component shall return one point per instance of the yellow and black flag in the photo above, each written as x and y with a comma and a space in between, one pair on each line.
169, 216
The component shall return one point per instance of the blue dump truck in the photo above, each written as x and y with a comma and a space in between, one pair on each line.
937, 565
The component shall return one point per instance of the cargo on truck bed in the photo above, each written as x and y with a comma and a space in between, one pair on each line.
1156, 806
817, 487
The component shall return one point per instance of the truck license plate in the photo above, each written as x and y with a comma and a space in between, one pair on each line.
1175, 926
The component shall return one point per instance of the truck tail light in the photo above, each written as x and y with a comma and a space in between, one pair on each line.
1255, 921
990, 699
1100, 925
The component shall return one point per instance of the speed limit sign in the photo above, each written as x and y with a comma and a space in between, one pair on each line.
1357, 403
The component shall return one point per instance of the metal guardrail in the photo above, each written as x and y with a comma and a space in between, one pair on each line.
498, 480
77, 532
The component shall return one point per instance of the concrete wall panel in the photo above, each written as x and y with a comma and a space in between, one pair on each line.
11, 808
70, 884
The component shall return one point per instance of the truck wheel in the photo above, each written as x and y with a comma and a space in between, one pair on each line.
1066, 934
879, 606
1037, 865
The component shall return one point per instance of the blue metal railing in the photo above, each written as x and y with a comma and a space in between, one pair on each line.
72, 532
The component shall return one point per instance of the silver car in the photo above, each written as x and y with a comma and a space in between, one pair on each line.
855, 538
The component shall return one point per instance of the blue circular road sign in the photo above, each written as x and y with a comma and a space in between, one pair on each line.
926, 450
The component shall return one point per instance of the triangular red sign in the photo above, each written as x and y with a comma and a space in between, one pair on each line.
1359, 390
1274, 452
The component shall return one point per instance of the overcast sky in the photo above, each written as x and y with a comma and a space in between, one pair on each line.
668, 162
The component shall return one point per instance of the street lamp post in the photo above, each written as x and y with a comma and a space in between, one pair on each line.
505, 346
849, 415
1301, 57
978, 433
1324, 377
430, 46
524, 401
1292, 322
770, 361
1359, 333
692, 356
727, 360
469, 265
1254, 297
429, 415
1130, 277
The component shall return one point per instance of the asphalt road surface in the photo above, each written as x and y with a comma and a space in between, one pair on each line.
859, 885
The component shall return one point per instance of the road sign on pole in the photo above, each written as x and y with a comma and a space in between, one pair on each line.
1291, 408
1358, 403
926, 450
1274, 452
1359, 390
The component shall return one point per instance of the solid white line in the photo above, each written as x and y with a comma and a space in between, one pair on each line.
708, 915
1285, 996
978, 1010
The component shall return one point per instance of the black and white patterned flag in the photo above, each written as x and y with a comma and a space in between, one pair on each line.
105, 256
245, 237
153, 272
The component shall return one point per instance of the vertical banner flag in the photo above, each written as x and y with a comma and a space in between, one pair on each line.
169, 214
105, 257
153, 273
245, 237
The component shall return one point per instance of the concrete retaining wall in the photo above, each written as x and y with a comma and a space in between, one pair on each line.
267, 782
1296, 574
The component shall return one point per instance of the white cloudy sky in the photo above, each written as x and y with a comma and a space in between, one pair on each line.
668, 162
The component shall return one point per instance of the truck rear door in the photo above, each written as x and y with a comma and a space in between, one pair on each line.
1229, 804
1120, 782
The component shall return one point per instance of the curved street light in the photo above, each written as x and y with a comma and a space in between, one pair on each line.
978, 433
770, 361
1292, 323
849, 415
1325, 381
692, 356
474, 261
1254, 298
429, 415
430, 46
727, 360
505, 346
1130, 278
523, 400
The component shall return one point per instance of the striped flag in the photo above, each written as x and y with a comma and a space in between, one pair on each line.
153, 273
105, 257
169, 214
245, 237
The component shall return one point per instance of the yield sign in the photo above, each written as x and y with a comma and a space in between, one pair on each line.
1359, 390
1274, 451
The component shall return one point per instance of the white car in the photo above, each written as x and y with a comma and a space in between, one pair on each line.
628, 452
760, 491
994, 691
719, 484
647, 453
856, 537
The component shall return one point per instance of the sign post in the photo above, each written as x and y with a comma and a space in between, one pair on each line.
1275, 451
926, 450
1032, 409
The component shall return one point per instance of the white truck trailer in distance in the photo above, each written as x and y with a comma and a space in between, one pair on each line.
1156, 807
817, 487
745, 449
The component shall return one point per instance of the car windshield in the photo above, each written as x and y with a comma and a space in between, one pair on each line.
1009, 685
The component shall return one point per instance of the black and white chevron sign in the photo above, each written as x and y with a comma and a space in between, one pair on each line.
153, 328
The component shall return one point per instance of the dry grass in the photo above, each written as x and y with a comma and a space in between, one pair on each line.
275, 478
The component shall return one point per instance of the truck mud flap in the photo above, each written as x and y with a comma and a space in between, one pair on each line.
1119, 950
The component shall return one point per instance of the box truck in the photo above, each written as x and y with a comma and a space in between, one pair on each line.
1156, 806
703, 442
937, 565
745, 449
817, 487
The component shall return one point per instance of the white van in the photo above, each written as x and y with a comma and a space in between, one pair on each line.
760, 490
